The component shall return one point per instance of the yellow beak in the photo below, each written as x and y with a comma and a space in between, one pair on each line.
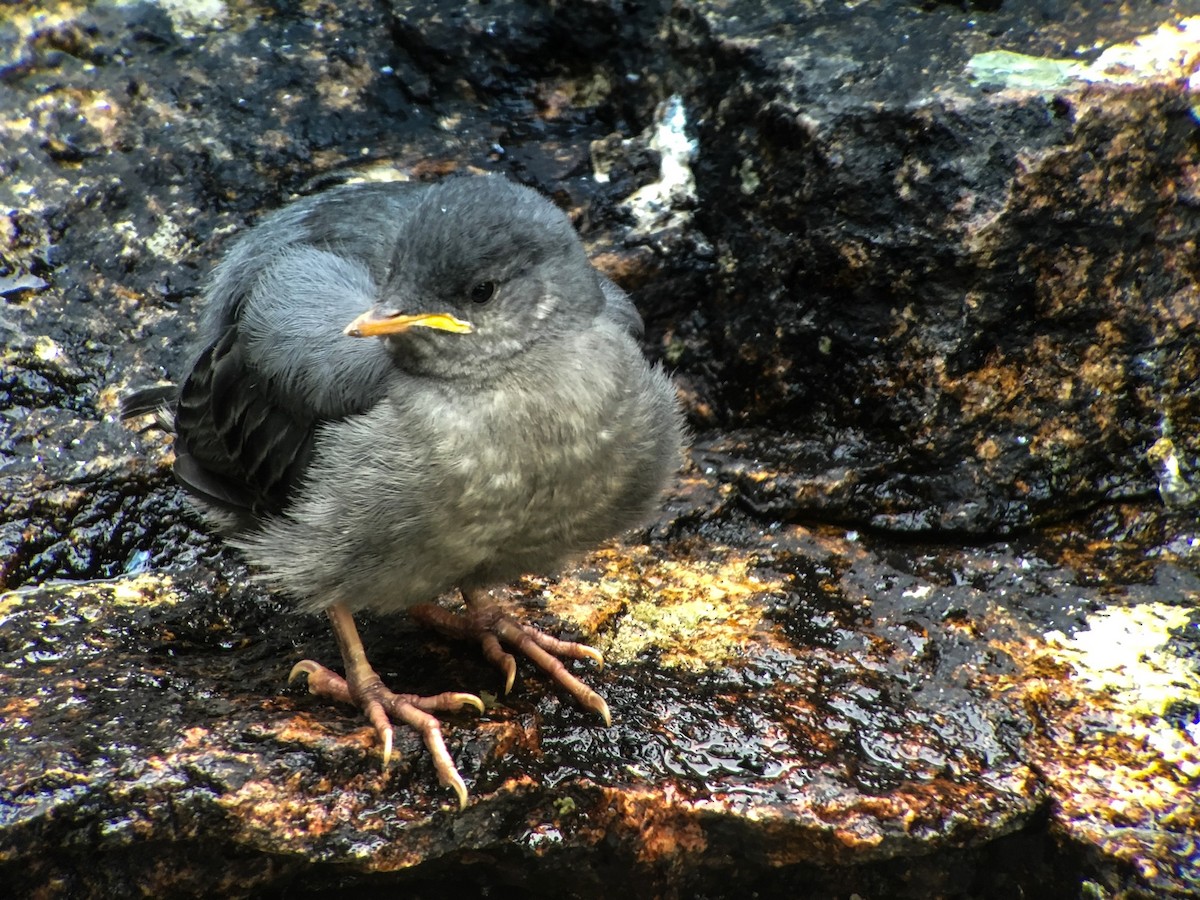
373, 324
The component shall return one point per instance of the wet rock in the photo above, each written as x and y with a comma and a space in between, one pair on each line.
986, 280
918, 617
804, 706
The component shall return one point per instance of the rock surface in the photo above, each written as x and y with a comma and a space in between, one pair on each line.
977, 298
918, 620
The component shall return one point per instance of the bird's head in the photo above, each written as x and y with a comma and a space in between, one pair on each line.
483, 271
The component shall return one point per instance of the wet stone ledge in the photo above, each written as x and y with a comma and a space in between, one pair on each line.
804, 707
919, 616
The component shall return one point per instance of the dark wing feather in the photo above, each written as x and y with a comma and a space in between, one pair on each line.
238, 444
247, 415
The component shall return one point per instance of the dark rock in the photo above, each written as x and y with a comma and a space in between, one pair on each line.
919, 296
993, 289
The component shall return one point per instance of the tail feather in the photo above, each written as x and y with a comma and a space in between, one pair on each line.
157, 400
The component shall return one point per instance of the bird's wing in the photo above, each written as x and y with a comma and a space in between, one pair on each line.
239, 444
620, 309
276, 364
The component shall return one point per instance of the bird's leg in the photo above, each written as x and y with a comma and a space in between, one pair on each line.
486, 622
363, 688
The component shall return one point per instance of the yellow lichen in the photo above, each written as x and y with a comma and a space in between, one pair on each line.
1123, 654
693, 613
133, 590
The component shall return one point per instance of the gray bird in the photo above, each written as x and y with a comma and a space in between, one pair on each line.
402, 389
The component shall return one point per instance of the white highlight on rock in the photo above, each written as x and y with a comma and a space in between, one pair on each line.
190, 17
1176, 490
666, 201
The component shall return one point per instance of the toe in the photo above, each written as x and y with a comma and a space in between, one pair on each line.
322, 682
563, 649
431, 732
498, 657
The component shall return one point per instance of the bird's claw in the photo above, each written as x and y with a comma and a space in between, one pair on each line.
381, 706
322, 681
498, 657
485, 622
387, 736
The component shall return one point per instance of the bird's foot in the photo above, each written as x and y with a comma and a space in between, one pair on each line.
484, 621
381, 706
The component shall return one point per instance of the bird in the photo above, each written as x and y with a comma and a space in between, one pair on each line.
403, 389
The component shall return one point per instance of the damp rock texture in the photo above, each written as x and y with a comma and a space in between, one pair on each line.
955, 251
918, 618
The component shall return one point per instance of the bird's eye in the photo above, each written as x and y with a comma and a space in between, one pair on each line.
483, 291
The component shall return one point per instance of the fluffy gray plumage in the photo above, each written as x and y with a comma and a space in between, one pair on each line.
380, 472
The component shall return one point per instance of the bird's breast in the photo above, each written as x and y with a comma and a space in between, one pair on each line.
541, 463
440, 485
